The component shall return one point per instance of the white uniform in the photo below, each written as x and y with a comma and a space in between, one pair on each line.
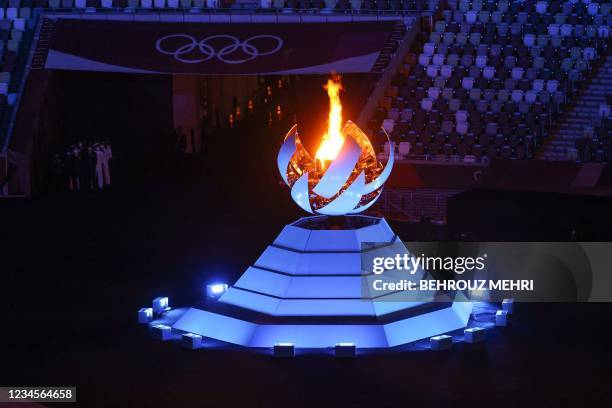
108, 154
103, 155
99, 160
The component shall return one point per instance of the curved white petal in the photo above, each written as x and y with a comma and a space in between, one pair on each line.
346, 201
299, 193
339, 170
382, 177
286, 152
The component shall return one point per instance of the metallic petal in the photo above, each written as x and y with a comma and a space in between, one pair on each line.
339, 170
286, 152
346, 201
299, 193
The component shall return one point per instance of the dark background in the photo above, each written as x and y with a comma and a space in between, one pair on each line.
76, 267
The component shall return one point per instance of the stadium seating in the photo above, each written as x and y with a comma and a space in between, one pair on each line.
596, 145
492, 76
17, 24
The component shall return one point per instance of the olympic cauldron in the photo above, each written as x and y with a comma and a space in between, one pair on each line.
309, 287
349, 184
344, 177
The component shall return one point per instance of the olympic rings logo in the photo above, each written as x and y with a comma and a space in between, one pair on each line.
209, 52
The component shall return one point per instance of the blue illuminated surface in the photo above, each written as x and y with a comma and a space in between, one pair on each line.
147, 311
248, 334
295, 263
274, 284
317, 273
218, 288
293, 237
299, 193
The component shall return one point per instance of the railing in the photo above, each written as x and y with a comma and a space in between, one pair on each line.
412, 204
232, 15
454, 160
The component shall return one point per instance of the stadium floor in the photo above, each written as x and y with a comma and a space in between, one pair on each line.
80, 265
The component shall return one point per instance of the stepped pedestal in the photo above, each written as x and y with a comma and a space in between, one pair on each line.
308, 289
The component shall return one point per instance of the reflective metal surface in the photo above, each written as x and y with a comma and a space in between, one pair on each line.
348, 184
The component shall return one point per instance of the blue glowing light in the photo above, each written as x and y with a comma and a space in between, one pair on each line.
145, 315
218, 289
147, 311
160, 304
215, 290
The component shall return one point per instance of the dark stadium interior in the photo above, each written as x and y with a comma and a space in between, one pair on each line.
498, 112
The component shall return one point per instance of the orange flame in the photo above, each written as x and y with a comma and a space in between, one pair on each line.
332, 139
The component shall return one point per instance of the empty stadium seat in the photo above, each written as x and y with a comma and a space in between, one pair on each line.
388, 125
12, 13
403, 149
504, 62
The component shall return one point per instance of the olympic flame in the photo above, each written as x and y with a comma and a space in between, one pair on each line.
332, 139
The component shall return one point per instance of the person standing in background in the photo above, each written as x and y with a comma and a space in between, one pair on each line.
103, 154
99, 152
108, 155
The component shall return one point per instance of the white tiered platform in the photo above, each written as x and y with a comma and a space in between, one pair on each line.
308, 288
